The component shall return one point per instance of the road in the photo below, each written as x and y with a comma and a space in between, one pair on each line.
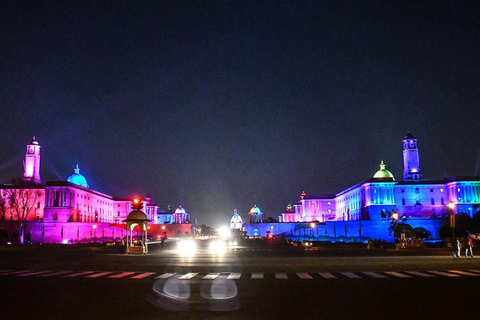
256, 281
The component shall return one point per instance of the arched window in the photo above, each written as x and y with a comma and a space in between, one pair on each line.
403, 202
55, 216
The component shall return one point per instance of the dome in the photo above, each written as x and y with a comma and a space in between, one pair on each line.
236, 219
77, 178
408, 136
34, 141
137, 215
383, 173
255, 209
180, 210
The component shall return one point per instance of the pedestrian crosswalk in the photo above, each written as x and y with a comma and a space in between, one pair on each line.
301, 276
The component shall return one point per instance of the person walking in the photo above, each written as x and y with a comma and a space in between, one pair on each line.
469, 247
456, 248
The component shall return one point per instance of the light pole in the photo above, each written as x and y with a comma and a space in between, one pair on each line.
94, 233
451, 206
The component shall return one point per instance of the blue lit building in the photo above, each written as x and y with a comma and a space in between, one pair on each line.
365, 209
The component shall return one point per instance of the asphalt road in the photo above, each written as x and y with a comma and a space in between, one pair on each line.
259, 281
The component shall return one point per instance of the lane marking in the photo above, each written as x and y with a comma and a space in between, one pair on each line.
211, 276
374, 275
142, 275
121, 275
351, 275
78, 274
15, 272
32, 273
476, 271
327, 275
165, 276
257, 276
100, 274
421, 274
281, 275
234, 276
188, 276
54, 274
465, 273
397, 274
304, 276
3, 271
446, 274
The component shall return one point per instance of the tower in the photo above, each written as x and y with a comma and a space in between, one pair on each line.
411, 160
31, 165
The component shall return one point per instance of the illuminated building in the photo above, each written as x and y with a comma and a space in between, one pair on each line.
236, 222
366, 208
70, 211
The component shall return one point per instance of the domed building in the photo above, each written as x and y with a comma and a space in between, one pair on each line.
383, 173
255, 215
365, 209
180, 216
236, 221
77, 178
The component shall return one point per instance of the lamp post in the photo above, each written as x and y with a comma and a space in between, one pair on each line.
94, 233
451, 206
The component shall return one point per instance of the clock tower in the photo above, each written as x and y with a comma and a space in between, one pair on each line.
411, 160
31, 165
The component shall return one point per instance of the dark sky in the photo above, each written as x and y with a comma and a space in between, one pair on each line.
223, 105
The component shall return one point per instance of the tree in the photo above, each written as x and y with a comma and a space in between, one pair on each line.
21, 201
3, 210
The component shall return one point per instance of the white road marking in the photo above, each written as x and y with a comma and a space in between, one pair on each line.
188, 276
121, 275
397, 274
351, 275
55, 274
374, 275
257, 276
165, 276
234, 276
421, 274
78, 274
142, 275
327, 275
211, 276
100, 274
446, 274
32, 273
281, 275
465, 273
304, 276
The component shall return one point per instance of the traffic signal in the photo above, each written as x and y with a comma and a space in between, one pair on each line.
137, 204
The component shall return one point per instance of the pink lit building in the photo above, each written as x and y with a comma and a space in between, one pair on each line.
70, 211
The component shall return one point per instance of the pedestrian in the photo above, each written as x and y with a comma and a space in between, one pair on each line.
456, 248
469, 247
122, 247
162, 244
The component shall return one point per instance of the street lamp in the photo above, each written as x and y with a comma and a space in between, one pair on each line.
451, 205
94, 233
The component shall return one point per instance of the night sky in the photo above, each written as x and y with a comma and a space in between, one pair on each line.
218, 106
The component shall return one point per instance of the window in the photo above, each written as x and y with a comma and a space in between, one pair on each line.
55, 216
442, 202
403, 202
431, 190
417, 190
433, 202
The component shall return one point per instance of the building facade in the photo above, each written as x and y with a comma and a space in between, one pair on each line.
57, 211
367, 207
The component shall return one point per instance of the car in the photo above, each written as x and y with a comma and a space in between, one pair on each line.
307, 243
